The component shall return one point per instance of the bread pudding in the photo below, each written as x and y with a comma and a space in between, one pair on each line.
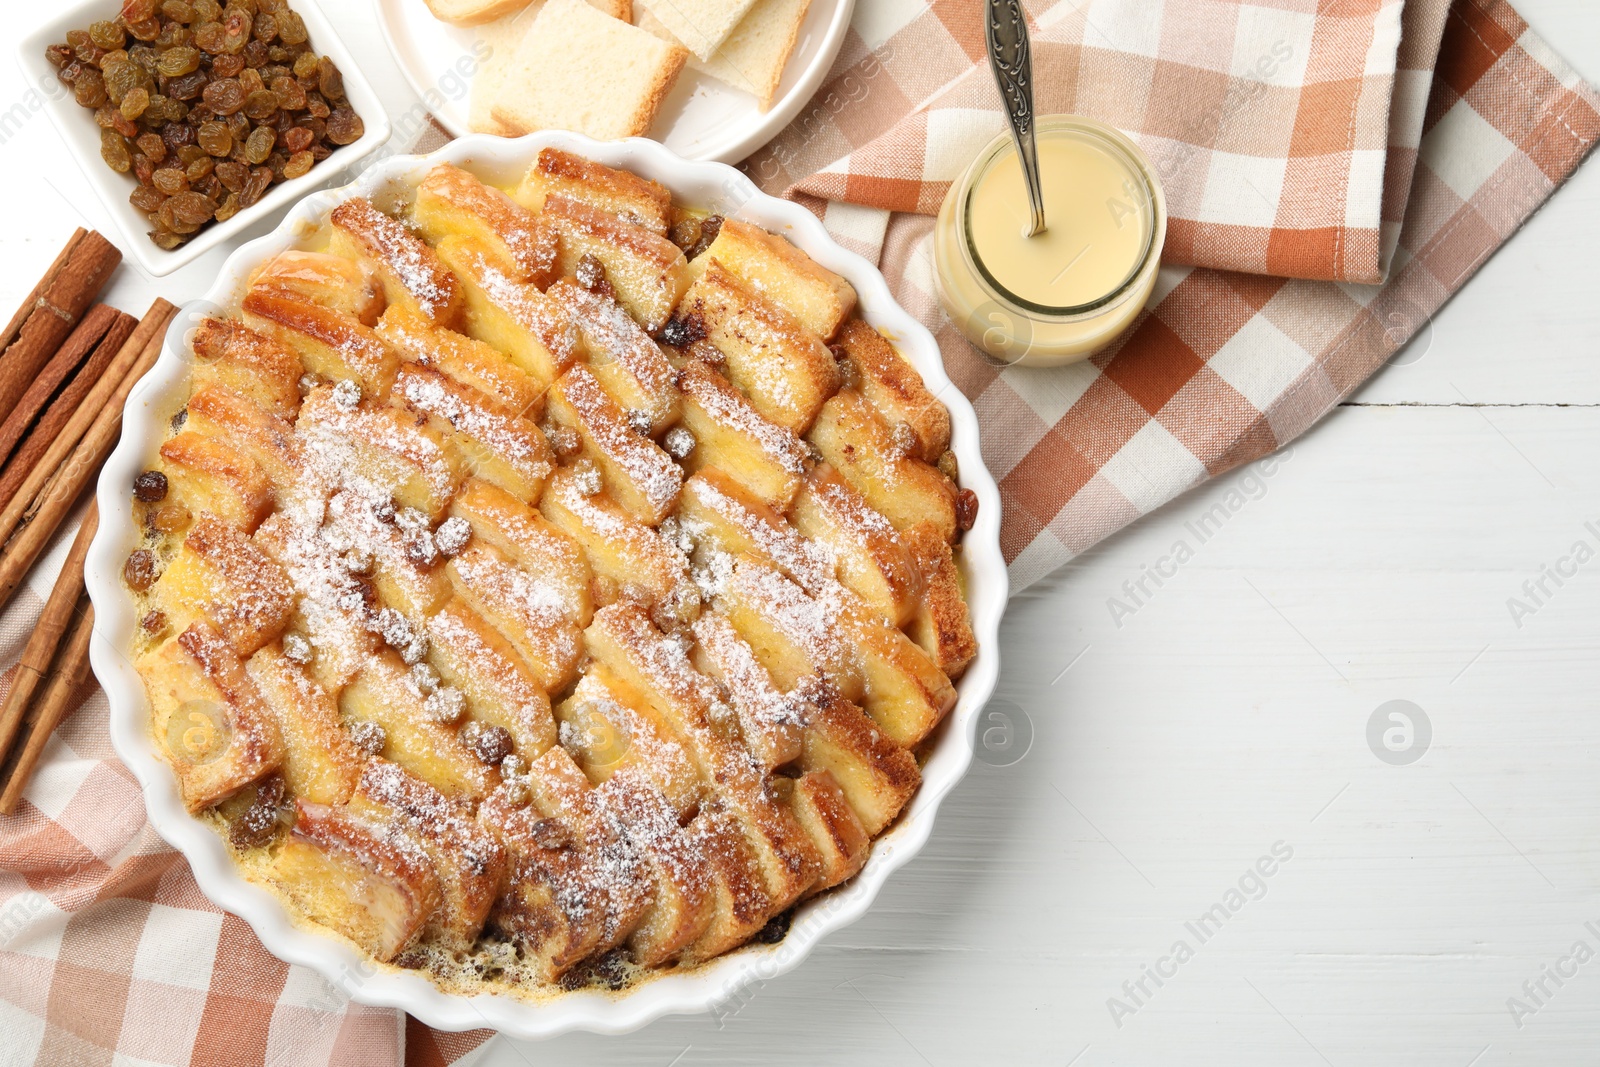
551, 585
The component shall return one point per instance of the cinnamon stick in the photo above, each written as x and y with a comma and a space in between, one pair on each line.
46, 636
71, 668
27, 457
95, 327
146, 339
40, 518
54, 315
14, 327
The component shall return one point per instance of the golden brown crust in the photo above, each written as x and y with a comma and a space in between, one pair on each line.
236, 356
208, 717
942, 626
449, 200
894, 387
782, 367
640, 200
328, 342
410, 270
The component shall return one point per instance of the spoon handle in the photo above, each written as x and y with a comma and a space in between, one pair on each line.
1006, 34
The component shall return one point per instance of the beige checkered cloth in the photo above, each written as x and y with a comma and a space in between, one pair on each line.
1315, 144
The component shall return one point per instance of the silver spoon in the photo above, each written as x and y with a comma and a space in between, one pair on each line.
1006, 35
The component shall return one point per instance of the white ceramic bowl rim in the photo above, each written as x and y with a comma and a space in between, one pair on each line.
82, 138
713, 186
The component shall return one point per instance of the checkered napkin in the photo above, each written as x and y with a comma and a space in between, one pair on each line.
1307, 148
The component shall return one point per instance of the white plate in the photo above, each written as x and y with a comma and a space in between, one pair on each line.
702, 118
163, 390
78, 129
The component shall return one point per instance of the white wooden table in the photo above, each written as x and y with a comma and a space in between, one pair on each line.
1228, 717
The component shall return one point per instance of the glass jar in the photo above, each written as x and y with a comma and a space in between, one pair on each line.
1068, 292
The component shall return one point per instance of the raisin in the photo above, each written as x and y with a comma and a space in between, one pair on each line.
170, 181
258, 824
966, 509
150, 487
317, 106
291, 95
237, 25
143, 169
200, 169
256, 55
215, 138
259, 145
188, 86
344, 126
298, 165
153, 146
490, 744
368, 736
224, 96
176, 62
298, 139
210, 37
140, 570
680, 333
255, 187
172, 35
144, 29
134, 104
107, 35
590, 272
329, 81
169, 518
685, 232
232, 175
550, 833
306, 65
178, 11
291, 28
146, 199
114, 150
189, 153
120, 78
226, 66
776, 930
90, 89
228, 208
710, 226
207, 10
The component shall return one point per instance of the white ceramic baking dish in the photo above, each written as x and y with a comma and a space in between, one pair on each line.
710, 185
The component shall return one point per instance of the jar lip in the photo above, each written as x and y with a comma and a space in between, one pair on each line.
1117, 145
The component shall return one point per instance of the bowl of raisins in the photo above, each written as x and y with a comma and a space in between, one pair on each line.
196, 119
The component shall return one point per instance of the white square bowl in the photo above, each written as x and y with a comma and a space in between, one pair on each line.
712, 186
82, 135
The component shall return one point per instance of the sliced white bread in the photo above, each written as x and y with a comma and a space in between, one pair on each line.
502, 38
699, 25
474, 12
582, 70
754, 55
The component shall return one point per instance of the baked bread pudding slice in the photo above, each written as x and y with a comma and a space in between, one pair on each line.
552, 586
